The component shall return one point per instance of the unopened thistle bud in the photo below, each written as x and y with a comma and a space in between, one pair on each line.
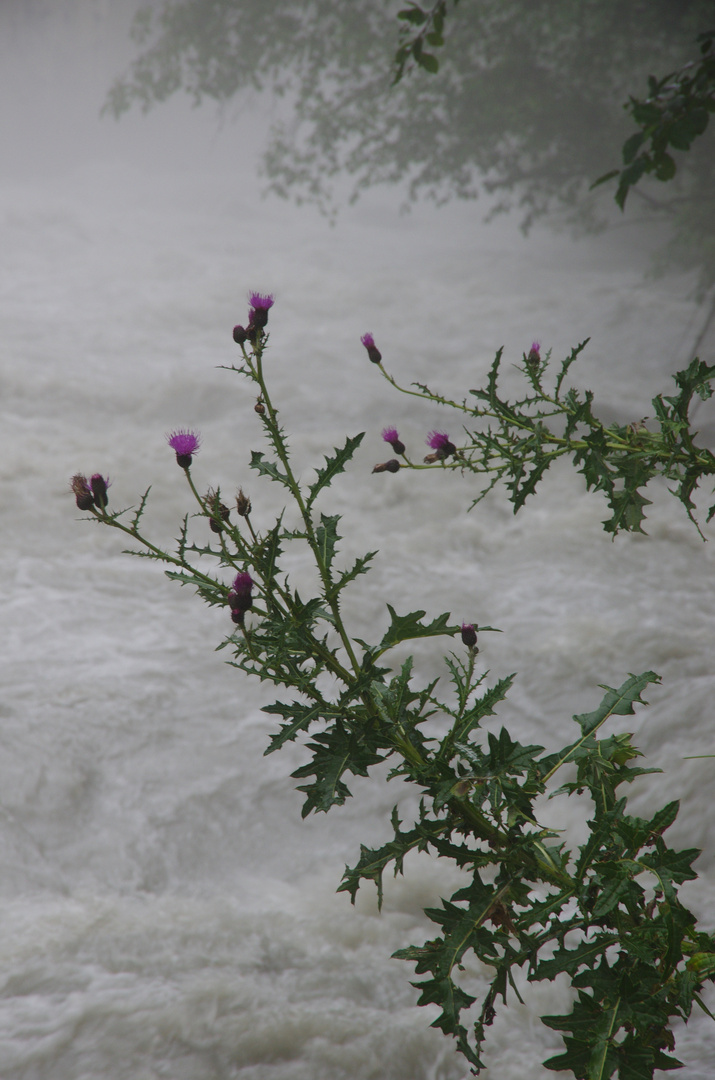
240, 335
82, 492
99, 487
392, 465
390, 436
243, 504
373, 352
469, 636
185, 443
441, 445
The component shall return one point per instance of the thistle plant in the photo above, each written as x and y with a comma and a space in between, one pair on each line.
516, 442
607, 914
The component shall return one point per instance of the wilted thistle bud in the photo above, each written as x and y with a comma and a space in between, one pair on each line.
99, 490
469, 636
390, 436
392, 465
259, 407
243, 503
218, 510
373, 352
82, 492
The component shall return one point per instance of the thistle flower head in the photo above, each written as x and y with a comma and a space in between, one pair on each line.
373, 352
242, 583
390, 436
469, 635
260, 305
99, 485
392, 465
218, 511
239, 597
534, 355
261, 301
440, 443
185, 443
82, 491
439, 440
243, 503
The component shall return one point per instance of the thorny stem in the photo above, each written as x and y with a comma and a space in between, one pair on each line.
614, 441
271, 420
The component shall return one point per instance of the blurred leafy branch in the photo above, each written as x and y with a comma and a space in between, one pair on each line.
606, 914
519, 440
430, 31
676, 111
526, 106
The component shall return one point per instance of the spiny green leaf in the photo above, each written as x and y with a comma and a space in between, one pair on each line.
268, 551
406, 627
302, 717
617, 702
267, 468
327, 537
571, 960
333, 466
360, 566
373, 862
334, 752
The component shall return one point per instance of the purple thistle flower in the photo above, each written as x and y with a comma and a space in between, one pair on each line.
260, 306
261, 300
242, 584
185, 443
99, 485
390, 436
441, 444
469, 635
372, 350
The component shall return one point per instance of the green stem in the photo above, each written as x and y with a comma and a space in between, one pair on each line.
270, 418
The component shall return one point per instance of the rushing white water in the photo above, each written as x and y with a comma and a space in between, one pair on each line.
165, 910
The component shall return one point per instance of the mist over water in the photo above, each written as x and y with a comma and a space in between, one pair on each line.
166, 913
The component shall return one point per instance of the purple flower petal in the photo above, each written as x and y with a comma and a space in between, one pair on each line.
184, 442
261, 301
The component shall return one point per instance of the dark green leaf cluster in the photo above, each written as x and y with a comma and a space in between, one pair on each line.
674, 114
420, 28
519, 440
606, 915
